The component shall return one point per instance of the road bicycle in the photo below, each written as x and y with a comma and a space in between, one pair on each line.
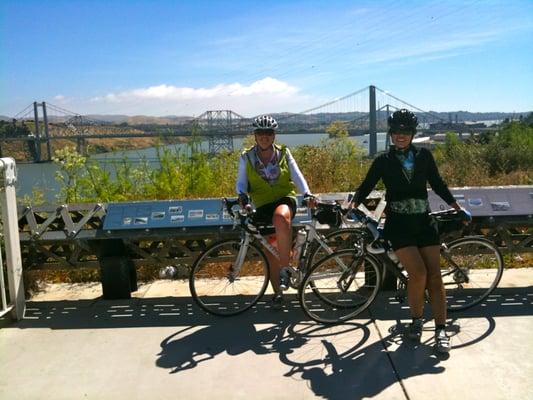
231, 276
471, 268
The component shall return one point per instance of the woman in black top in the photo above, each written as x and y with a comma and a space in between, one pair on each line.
405, 171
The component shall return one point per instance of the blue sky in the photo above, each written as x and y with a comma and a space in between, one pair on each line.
185, 57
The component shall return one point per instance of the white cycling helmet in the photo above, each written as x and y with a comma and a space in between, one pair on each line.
264, 122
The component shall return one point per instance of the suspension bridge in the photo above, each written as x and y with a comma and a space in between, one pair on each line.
362, 112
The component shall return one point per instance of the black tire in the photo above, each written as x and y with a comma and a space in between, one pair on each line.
220, 292
116, 277
340, 286
471, 269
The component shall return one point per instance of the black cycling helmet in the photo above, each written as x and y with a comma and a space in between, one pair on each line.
403, 121
265, 122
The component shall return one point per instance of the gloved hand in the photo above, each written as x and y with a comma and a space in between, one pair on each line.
309, 200
244, 200
466, 216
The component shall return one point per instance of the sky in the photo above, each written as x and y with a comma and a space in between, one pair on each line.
141, 57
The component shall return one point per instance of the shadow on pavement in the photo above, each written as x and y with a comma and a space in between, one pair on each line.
334, 360
181, 311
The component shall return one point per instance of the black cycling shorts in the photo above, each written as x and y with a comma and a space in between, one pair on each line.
404, 230
263, 215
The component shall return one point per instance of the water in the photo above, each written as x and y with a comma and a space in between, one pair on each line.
42, 176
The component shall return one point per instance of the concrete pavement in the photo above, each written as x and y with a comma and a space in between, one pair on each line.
160, 346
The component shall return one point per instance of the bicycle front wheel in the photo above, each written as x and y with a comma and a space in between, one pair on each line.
345, 238
222, 287
339, 286
471, 268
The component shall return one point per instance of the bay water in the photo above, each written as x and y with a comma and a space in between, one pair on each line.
42, 176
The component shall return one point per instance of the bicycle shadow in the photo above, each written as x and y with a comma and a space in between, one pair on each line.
352, 359
367, 371
336, 361
191, 346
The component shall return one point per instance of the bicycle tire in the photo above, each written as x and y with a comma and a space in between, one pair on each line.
219, 291
320, 295
471, 269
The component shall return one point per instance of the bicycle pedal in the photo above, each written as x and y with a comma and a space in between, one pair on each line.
400, 298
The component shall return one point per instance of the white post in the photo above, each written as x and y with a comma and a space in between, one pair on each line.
8, 201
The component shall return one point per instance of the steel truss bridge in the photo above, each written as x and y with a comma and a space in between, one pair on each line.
364, 111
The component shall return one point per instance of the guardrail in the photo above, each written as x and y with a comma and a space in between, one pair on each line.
12, 300
161, 233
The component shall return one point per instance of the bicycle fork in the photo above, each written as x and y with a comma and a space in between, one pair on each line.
348, 275
235, 268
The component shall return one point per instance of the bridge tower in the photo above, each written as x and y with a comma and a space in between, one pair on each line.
35, 143
372, 122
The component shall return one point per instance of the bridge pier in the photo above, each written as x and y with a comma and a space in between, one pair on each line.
81, 145
34, 148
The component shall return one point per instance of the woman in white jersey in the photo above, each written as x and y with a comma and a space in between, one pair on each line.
269, 174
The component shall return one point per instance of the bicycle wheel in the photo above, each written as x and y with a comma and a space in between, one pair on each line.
336, 240
339, 286
471, 268
220, 287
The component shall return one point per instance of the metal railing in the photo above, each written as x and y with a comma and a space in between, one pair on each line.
12, 298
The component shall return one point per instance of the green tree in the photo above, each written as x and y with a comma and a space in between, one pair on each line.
337, 129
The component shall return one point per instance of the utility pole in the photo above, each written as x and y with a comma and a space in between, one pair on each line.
372, 129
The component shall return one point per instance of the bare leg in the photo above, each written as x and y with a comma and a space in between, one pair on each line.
414, 264
283, 225
274, 265
435, 287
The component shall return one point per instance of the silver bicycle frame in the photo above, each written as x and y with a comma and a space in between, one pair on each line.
312, 235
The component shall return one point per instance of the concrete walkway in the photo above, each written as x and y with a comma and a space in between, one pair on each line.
164, 347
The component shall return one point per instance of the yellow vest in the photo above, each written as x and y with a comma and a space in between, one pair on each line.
263, 192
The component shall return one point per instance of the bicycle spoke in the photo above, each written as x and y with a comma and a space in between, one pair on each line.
339, 287
471, 269
222, 287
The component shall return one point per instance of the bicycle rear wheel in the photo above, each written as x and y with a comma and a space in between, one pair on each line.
339, 286
471, 268
220, 287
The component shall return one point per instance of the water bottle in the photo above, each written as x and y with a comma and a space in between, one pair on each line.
298, 244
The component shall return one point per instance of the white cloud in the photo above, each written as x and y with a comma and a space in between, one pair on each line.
264, 95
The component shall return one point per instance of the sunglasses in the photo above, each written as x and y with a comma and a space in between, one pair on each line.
402, 133
266, 132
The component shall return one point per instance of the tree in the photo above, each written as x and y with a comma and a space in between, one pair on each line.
337, 129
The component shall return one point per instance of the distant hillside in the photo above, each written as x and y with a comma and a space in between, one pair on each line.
453, 116
141, 119
463, 116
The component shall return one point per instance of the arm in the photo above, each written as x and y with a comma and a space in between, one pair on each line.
296, 175
241, 186
437, 183
373, 175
